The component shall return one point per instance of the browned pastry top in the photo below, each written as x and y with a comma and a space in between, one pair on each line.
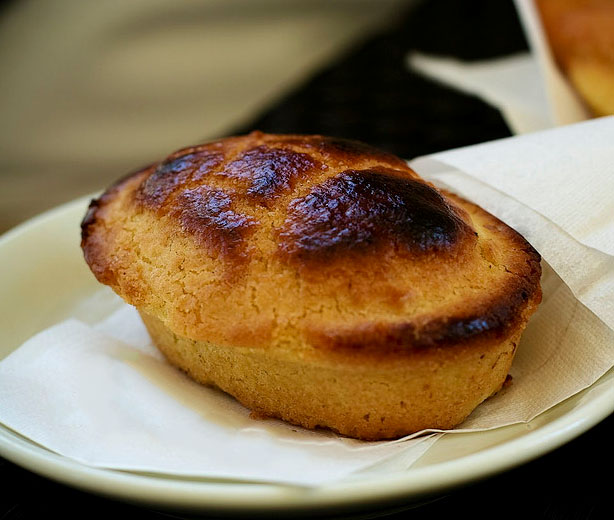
310, 244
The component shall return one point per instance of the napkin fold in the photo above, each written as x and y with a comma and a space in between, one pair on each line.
512, 84
564, 103
103, 395
554, 187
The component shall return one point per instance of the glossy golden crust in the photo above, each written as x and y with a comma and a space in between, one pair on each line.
360, 211
356, 252
318, 252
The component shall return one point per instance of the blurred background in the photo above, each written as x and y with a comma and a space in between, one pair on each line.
92, 90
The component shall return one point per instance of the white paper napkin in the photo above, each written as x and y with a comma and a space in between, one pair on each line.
556, 188
104, 396
512, 84
563, 101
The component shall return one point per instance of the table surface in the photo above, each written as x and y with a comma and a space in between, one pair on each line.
369, 95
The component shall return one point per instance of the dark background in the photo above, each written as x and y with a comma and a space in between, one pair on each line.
369, 95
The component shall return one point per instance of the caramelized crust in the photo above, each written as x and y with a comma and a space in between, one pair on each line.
358, 211
206, 213
171, 173
270, 171
342, 153
311, 244
318, 280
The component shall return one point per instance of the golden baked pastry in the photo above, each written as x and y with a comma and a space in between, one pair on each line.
318, 280
581, 36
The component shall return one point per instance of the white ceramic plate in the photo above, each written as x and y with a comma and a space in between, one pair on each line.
44, 278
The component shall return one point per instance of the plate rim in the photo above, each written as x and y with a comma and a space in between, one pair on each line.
167, 492
415, 484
